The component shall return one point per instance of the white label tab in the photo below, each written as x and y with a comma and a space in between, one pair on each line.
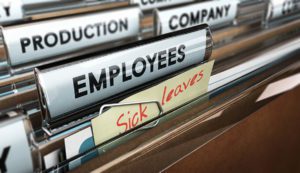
15, 151
213, 13
78, 143
52, 159
41, 40
10, 10
280, 8
152, 4
76, 85
31, 2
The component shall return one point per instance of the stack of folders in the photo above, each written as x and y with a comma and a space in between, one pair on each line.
97, 85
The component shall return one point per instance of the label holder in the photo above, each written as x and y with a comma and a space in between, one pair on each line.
52, 58
51, 132
101, 111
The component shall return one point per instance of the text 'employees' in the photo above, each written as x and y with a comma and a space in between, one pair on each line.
107, 75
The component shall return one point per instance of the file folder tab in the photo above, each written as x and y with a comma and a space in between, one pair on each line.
90, 80
77, 144
152, 4
281, 8
45, 39
14, 147
212, 13
11, 10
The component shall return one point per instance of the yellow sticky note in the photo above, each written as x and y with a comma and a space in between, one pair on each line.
170, 94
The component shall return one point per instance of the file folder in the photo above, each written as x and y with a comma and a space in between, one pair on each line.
177, 55
245, 83
139, 153
146, 100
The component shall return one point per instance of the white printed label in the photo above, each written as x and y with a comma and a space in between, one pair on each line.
152, 4
10, 10
282, 8
52, 159
39, 41
213, 13
77, 144
14, 148
87, 82
31, 2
